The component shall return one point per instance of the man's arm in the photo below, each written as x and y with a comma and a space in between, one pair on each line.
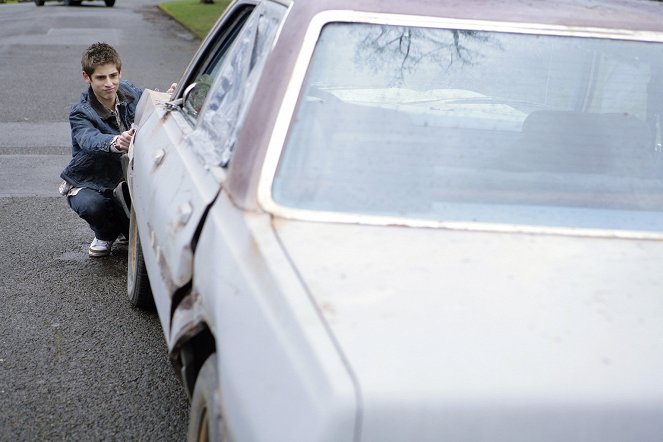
86, 135
121, 142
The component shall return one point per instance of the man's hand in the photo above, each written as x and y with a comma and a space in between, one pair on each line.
124, 139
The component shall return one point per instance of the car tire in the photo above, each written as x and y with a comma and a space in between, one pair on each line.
138, 283
39, 2
205, 420
109, 3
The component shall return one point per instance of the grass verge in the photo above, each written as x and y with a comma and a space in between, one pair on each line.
195, 16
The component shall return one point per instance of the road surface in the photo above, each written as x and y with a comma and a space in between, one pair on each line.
76, 361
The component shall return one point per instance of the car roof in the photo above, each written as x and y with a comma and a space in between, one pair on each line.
632, 15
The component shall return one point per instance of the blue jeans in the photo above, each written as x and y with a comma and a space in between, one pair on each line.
104, 215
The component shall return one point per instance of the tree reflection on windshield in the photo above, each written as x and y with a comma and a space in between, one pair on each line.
411, 46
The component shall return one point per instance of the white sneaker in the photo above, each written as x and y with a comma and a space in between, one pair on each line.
100, 247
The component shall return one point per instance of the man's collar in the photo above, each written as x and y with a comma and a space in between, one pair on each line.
103, 111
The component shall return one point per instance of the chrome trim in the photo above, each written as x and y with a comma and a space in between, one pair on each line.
287, 4
387, 221
289, 103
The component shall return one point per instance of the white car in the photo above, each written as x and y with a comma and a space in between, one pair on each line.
389, 220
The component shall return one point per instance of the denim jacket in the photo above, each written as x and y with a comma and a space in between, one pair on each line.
93, 127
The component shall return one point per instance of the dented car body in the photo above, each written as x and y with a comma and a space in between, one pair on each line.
423, 220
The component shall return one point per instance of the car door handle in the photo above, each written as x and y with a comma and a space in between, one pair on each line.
184, 212
159, 156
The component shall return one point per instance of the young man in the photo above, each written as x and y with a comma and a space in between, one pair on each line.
100, 133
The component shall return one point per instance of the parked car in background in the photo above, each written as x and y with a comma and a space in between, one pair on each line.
109, 3
388, 220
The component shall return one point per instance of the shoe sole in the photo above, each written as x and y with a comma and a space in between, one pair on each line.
94, 254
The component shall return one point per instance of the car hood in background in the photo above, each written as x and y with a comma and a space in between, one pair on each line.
491, 336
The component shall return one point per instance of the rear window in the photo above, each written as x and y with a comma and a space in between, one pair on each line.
454, 125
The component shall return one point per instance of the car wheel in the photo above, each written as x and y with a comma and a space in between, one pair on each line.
39, 2
205, 420
138, 283
109, 3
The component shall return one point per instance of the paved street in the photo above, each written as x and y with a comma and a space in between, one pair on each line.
76, 361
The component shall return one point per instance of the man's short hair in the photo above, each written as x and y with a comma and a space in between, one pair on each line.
99, 54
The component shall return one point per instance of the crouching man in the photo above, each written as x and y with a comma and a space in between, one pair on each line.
100, 132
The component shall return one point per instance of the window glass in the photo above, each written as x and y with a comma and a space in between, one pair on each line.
234, 85
212, 64
454, 125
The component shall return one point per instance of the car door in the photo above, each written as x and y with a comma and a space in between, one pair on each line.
180, 154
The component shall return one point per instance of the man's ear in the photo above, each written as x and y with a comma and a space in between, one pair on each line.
86, 77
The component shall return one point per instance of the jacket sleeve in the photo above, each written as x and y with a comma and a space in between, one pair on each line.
86, 135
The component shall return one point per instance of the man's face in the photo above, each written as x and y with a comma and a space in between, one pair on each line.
104, 82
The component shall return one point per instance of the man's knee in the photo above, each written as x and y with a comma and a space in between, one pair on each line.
91, 205
97, 210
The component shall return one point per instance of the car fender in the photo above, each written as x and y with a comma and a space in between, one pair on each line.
189, 319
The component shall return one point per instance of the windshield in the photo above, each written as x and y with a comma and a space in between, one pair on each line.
452, 125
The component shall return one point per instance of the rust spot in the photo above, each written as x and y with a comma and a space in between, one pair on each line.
164, 118
328, 308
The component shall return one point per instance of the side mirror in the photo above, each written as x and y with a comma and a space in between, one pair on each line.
195, 94
188, 91
181, 102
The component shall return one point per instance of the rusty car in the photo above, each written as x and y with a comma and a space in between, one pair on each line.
421, 220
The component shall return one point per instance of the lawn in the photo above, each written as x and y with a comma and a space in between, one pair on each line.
196, 16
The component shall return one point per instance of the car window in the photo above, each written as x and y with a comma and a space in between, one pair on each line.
236, 77
465, 126
211, 64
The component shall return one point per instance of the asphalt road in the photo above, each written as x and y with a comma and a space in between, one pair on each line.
76, 361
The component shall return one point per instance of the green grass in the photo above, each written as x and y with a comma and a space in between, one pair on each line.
196, 16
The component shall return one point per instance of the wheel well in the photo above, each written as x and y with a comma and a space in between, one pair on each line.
191, 355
